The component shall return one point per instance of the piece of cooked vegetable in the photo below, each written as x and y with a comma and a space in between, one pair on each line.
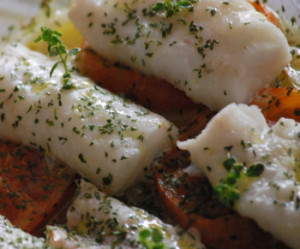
253, 166
111, 222
33, 188
268, 13
102, 136
218, 52
279, 102
177, 158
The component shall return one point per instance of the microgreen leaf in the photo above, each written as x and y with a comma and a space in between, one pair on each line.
56, 47
152, 238
74, 51
227, 191
144, 234
157, 236
228, 163
255, 170
169, 7
53, 68
227, 194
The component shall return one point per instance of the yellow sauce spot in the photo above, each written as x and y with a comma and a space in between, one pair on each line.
70, 36
82, 228
244, 183
297, 167
185, 244
38, 88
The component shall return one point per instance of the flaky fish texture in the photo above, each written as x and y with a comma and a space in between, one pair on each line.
217, 52
255, 167
102, 136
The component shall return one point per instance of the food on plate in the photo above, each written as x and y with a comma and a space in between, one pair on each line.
268, 13
45, 104
103, 137
198, 46
253, 168
157, 95
12, 237
108, 220
190, 199
279, 102
96, 221
60, 238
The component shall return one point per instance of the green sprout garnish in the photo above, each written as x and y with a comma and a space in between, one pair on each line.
228, 190
152, 239
57, 48
170, 7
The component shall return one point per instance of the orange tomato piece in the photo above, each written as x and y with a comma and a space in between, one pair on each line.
279, 102
270, 15
155, 94
31, 191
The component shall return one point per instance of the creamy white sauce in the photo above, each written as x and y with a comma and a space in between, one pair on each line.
105, 138
272, 199
219, 53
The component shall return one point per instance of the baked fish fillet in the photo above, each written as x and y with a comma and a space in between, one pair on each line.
57, 238
216, 51
103, 137
107, 219
253, 167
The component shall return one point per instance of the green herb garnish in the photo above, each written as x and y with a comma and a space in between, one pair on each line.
170, 7
152, 238
228, 191
57, 48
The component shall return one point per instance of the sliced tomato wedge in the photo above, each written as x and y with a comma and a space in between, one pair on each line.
31, 190
279, 102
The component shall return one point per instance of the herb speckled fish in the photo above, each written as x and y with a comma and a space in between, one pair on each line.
253, 167
217, 52
102, 136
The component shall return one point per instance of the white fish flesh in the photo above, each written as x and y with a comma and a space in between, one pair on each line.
217, 52
99, 216
238, 139
103, 137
